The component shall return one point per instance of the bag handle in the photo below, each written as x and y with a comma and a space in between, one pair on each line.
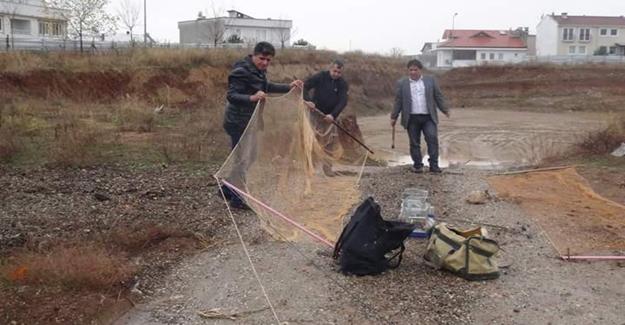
342, 238
399, 256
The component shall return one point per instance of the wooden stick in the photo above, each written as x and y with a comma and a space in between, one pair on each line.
393, 143
535, 170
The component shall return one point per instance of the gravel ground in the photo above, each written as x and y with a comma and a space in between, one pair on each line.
301, 278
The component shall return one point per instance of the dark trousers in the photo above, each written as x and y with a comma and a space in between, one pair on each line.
235, 132
417, 124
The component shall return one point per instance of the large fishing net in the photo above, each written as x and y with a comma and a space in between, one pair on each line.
291, 164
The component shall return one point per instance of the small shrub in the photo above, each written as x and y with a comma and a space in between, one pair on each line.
80, 267
75, 143
604, 141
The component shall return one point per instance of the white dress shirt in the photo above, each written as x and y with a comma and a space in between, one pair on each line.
417, 93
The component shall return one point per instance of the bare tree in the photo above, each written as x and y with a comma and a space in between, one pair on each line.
396, 52
10, 8
128, 13
86, 17
215, 25
285, 32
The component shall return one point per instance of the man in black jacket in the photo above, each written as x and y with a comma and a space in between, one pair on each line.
247, 85
328, 100
330, 91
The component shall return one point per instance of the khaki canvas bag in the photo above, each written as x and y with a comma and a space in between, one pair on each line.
466, 253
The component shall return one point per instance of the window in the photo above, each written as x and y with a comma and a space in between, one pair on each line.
1, 20
567, 34
603, 32
584, 34
483, 56
612, 50
582, 50
613, 32
500, 56
491, 56
48, 28
571, 49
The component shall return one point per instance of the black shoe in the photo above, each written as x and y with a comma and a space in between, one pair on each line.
417, 170
435, 169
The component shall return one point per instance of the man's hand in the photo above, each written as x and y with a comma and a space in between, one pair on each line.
448, 114
311, 106
329, 118
393, 121
297, 83
259, 95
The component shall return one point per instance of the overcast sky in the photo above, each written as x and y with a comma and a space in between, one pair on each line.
374, 26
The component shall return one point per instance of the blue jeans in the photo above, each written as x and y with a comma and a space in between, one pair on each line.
417, 124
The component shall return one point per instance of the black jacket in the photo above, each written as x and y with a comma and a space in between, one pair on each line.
243, 82
330, 96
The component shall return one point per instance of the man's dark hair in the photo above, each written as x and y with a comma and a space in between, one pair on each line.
338, 63
416, 63
264, 48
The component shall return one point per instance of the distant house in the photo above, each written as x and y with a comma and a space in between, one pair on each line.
464, 47
31, 19
237, 27
565, 35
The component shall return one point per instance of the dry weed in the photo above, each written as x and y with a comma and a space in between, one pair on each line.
604, 141
76, 267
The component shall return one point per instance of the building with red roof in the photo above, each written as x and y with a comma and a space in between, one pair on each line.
566, 35
466, 47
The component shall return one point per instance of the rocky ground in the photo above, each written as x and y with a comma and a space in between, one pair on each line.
302, 282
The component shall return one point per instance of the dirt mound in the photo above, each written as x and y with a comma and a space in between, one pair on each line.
587, 87
576, 219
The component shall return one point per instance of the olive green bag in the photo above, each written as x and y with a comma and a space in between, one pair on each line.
466, 253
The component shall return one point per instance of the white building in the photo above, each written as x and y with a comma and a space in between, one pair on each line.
565, 35
31, 19
462, 47
237, 26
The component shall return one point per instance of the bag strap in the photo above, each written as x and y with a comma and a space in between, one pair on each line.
342, 238
399, 256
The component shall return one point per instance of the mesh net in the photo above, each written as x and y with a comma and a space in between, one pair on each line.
290, 161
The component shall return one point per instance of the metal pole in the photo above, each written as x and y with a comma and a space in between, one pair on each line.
145, 24
451, 36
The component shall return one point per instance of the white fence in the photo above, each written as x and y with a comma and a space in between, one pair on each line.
578, 59
8, 43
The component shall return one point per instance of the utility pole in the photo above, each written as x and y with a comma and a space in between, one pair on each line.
145, 25
451, 36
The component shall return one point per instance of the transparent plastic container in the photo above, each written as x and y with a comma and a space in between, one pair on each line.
415, 193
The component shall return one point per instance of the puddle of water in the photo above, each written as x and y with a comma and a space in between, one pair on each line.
394, 159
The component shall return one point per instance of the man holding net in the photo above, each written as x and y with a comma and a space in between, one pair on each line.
248, 85
328, 99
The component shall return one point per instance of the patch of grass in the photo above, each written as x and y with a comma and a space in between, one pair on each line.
133, 115
73, 268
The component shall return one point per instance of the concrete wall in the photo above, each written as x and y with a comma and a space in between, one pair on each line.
26, 15
547, 37
483, 56
250, 30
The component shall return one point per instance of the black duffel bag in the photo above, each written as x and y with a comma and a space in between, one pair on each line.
366, 240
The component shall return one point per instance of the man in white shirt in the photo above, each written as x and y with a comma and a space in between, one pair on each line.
417, 99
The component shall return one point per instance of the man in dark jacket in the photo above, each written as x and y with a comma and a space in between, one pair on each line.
247, 85
329, 91
329, 98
